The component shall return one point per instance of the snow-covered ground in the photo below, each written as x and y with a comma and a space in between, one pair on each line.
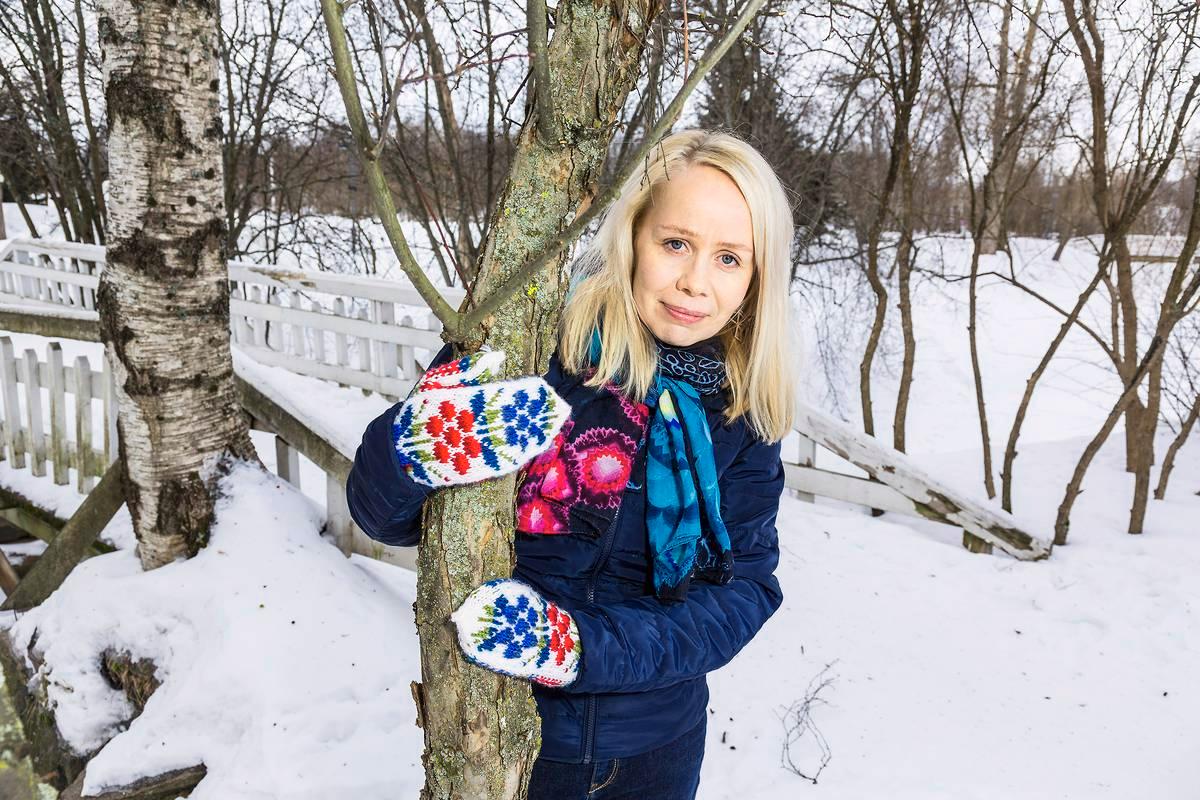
945, 674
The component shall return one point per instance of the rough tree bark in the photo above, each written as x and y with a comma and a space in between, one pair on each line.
592, 58
163, 296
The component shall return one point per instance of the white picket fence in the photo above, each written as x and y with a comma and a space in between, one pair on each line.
357, 331
39, 397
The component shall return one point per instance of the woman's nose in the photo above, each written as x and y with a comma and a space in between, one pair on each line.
692, 279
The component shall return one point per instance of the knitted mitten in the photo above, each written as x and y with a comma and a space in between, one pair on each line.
460, 425
506, 626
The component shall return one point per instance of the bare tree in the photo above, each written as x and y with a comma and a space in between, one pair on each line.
892, 40
46, 71
1149, 101
1017, 92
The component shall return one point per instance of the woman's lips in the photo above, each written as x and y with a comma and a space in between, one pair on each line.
682, 314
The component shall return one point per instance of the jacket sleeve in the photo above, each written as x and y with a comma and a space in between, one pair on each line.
646, 644
384, 501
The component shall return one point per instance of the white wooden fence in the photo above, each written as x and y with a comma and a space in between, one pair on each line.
39, 397
367, 332
357, 331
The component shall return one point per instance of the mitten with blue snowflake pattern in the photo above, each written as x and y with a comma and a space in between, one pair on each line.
461, 425
507, 627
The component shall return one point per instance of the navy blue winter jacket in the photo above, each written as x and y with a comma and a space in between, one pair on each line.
642, 678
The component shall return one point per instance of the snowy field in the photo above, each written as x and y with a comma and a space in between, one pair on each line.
943, 674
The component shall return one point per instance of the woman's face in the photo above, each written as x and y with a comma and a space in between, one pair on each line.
693, 255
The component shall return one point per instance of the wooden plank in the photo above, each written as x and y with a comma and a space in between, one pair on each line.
58, 414
363, 342
338, 322
368, 288
108, 388
242, 332
13, 436
337, 514
806, 456
318, 337
29, 246
364, 545
71, 544
42, 274
976, 545
847, 488
287, 462
32, 523
85, 465
933, 499
8, 575
296, 345
33, 413
341, 349
408, 359
274, 321
174, 783
347, 376
260, 325
388, 353
287, 424
77, 292
84, 326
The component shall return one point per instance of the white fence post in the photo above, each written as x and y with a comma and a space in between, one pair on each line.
84, 469
58, 414
33, 412
13, 437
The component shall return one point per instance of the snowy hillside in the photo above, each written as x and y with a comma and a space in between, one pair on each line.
945, 674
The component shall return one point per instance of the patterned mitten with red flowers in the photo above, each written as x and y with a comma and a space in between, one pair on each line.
507, 627
461, 425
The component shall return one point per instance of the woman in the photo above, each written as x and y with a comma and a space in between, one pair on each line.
646, 542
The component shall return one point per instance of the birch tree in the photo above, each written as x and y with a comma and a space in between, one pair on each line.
163, 297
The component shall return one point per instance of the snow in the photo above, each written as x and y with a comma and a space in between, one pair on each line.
338, 415
284, 666
948, 674
967, 676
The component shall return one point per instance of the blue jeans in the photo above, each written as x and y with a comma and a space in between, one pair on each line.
670, 772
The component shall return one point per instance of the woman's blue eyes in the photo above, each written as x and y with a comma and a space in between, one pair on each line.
733, 262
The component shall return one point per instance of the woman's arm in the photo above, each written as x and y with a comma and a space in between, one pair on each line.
384, 500
646, 644
459, 426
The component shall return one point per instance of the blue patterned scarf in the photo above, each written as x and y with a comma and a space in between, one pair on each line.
683, 501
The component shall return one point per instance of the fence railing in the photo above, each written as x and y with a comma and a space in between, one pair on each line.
366, 332
357, 331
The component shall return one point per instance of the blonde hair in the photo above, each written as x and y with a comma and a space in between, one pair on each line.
761, 373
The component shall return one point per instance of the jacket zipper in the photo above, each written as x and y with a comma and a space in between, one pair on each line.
589, 717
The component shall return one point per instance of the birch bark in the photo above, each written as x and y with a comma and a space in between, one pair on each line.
163, 297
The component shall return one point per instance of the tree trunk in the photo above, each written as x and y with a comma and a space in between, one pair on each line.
1144, 452
989, 482
163, 297
904, 262
1128, 347
1185, 430
482, 729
